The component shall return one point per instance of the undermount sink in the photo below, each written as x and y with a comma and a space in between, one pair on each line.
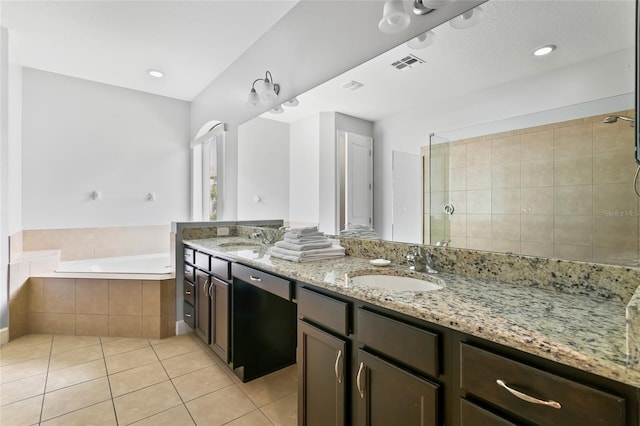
395, 282
239, 244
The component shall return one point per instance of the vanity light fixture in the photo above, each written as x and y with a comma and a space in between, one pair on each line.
422, 41
276, 110
545, 50
394, 17
269, 90
291, 102
467, 19
422, 7
155, 73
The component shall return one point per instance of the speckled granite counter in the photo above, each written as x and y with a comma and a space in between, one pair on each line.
582, 331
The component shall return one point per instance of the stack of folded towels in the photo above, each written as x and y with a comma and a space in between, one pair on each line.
305, 245
359, 231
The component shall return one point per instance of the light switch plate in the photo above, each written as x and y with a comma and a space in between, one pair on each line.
223, 231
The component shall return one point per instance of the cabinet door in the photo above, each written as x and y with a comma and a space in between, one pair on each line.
219, 294
203, 305
322, 377
389, 395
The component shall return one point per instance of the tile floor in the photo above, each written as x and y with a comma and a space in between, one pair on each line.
75, 380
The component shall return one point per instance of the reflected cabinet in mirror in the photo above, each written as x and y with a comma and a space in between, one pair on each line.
478, 142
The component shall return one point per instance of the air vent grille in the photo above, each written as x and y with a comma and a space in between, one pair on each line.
407, 62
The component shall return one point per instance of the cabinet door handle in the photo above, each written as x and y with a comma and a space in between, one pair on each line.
525, 397
187, 292
187, 315
210, 293
252, 278
204, 286
335, 367
358, 380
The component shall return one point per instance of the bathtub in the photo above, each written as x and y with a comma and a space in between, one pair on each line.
158, 263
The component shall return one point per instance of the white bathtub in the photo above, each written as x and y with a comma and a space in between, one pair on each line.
159, 263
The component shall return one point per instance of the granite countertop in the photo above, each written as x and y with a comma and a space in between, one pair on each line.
581, 331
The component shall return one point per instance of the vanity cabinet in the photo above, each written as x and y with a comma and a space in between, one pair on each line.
203, 305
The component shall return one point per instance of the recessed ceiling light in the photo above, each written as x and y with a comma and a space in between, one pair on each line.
155, 73
544, 50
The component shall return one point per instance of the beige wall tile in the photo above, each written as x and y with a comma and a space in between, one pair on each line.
568, 252
439, 157
479, 153
125, 297
537, 249
51, 323
506, 175
77, 244
479, 177
171, 326
112, 242
537, 173
505, 246
92, 296
458, 242
60, 295
18, 320
478, 227
125, 326
459, 201
458, 156
46, 239
619, 256
17, 279
152, 327
92, 325
612, 137
36, 295
537, 201
151, 239
505, 150
479, 244
479, 202
537, 146
505, 201
458, 226
573, 171
615, 232
505, 227
437, 201
539, 229
573, 200
614, 199
151, 300
457, 179
573, 230
614, 167
573, 141
15, 246
437, 180
36, 322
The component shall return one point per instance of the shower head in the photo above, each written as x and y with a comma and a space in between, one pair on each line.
614, 118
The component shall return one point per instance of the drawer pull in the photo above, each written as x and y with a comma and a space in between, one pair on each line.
187, 315
187, 292
257, 279
358, 380
525, 397
335, 368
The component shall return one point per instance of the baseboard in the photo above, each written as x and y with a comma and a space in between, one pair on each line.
182, 328
4, 335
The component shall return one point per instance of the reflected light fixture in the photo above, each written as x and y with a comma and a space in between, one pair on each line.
276, 110
269, 90
394, 17
291, 102
467, 19
545, 50
422, 41
155, 73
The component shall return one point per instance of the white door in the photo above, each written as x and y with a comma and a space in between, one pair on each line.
407, 200
359, 180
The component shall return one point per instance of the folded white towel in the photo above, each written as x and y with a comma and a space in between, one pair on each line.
303, 259
303, 230
293, 235
303, 245
334, 250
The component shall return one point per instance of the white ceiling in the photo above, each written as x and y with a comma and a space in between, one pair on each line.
460, 62
115, 42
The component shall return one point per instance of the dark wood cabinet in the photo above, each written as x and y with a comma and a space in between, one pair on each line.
323, 376
389, 395
203, 305
219, 318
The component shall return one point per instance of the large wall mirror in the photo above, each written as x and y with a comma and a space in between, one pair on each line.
477, 142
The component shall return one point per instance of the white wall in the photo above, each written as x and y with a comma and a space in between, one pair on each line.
304, 171
263, 170
80, 136
506, 107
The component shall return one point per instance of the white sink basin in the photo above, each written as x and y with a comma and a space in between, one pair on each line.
394, 282
239, 244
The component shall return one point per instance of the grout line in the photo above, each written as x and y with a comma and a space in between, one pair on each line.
46, 379
113, 405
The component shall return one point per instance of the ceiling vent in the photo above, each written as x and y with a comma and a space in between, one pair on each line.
351, 85
407, 62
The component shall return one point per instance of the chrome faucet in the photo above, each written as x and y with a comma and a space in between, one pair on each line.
420, 261
269, 236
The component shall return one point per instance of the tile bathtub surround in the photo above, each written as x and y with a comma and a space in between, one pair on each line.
62, 380
100, 307
561, 190
87, 243
607, 281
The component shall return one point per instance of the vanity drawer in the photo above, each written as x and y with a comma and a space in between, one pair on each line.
272, 284
472, 415
203, 261
189, 272
221, 268
189, 315
412, 346
189, 292
324, 310
189, 255
580, 404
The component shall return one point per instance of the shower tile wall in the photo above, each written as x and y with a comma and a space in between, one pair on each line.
560, 190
